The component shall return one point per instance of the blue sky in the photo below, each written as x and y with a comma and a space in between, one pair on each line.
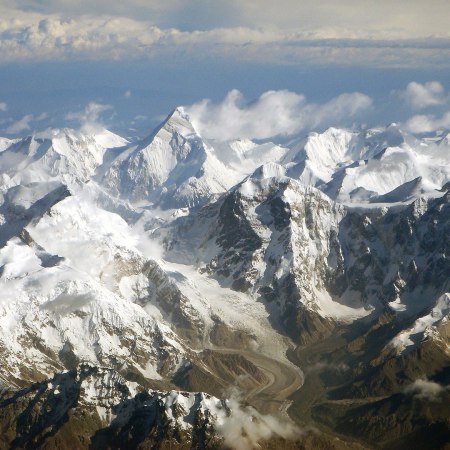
144, 58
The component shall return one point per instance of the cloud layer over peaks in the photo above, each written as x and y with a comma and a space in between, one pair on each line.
273, 113
62, 30
402, 18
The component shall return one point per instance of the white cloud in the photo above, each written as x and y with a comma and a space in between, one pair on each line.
246, 428
402, 18
20, 125
89, 118
407, 18
432, 96
426, 123
425, 389
28, 35
3, 107
23, 124
155, 10
273, 113
420, 96
320, 366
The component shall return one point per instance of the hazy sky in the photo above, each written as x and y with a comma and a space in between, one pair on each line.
144, 57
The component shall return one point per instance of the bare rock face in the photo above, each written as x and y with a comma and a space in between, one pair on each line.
314, 262
96, 408
260, 238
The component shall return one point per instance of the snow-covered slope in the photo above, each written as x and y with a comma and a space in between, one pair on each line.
65, 154
62, 262
311, 259
356, 167
426, 326
5, 143
273, 235
181, 263
175, 168
104, 407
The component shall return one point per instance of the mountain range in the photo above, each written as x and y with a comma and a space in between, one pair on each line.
179, 292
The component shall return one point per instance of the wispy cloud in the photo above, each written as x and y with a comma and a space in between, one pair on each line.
425, 108
3, 106
23, 124
89, 118
273, 113
20, 125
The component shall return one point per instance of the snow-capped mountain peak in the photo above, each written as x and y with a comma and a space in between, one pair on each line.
138, 271
64, 154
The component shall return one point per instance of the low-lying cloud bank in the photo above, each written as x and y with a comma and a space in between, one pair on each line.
403, 18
